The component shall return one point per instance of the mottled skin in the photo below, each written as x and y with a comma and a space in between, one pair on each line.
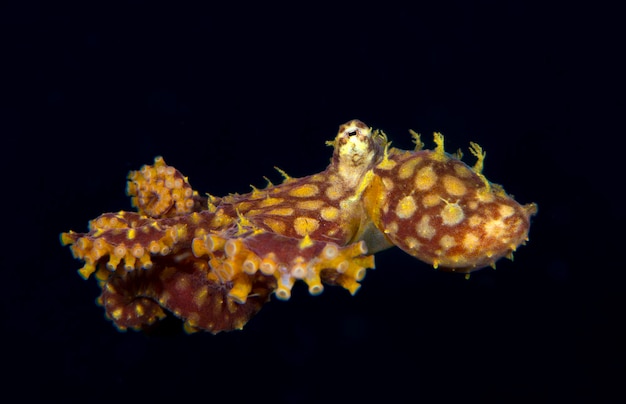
214, 262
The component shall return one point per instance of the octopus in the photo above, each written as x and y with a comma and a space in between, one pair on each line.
214, 261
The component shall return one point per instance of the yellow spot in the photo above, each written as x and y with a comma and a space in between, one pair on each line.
431, 200
454, 186
195, 218
310, 205
200, 296
495, 228
505, 211
281, 212
334, 192
447, 242
456, 258
470, 241
275, 225
131, 234
139, 310
407, 168
305, 225
406, 207
452, 214
424, 228
462, 170
304, 191
117, 314
269, 202
425, 178
244, 206
392, 228
412, 243
306, 242
329, 213
474, 220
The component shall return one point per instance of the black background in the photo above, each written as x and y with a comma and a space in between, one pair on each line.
226, 93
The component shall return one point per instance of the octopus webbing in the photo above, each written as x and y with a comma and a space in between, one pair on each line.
214, 261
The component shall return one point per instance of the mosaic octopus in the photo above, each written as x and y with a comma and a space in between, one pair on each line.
214, 262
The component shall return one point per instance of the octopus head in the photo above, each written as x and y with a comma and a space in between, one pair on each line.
357, 150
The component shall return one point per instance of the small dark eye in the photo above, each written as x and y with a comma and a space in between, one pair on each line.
354, 132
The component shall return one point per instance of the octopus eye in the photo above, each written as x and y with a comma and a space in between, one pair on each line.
352, 133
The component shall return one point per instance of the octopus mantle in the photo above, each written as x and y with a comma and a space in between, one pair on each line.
214, 262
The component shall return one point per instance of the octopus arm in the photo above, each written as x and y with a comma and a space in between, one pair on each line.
160, 190
285, 259
180, 286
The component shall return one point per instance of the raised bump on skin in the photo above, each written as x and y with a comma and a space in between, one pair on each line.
452, 214
424, 228
425, 178
453, 185
406, 207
